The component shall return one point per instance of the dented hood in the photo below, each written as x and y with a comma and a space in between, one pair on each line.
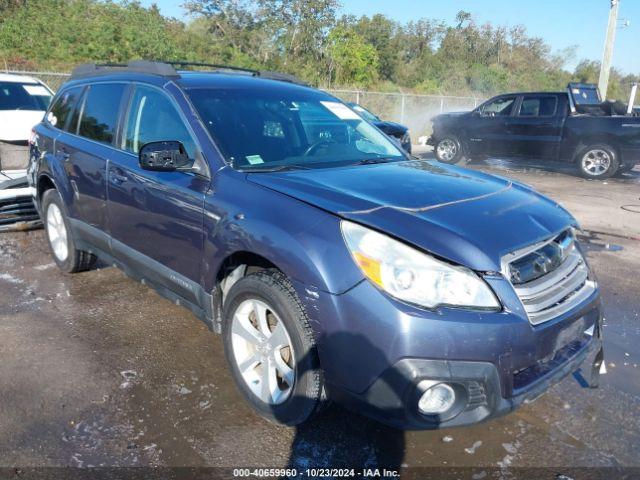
468, 217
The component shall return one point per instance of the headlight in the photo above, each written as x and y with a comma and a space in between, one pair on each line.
413, 276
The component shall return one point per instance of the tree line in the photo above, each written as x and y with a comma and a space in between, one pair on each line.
308, 38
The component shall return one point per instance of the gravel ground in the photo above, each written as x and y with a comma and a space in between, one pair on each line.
98, 370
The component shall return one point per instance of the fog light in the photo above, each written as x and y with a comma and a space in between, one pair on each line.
437, 399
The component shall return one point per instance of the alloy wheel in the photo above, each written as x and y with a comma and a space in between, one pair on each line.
263, 351
57, 232
596, 162
447, 150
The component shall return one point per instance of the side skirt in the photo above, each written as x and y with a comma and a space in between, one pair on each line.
166, 282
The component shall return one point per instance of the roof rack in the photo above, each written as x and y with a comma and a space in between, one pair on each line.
283, 77
167, 69
215, 66
134, 66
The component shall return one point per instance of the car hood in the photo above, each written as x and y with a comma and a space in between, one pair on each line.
16, 125
465, 216
391, 128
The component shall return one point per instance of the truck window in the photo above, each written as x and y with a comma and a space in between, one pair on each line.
543, 106
500, 107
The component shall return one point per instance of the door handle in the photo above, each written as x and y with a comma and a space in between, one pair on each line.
117, 177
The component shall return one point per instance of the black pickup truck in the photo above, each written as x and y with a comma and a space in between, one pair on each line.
576, 126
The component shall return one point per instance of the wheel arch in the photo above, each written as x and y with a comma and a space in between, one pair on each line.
586, 142
45, 182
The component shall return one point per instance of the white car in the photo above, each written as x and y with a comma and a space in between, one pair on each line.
23, 102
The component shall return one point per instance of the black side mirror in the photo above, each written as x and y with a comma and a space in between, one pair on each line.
165, 156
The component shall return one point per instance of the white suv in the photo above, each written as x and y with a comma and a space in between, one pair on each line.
23, 102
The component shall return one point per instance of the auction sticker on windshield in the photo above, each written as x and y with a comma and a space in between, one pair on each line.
36, 90
341, 111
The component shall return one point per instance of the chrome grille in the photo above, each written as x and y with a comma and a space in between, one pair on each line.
562, 284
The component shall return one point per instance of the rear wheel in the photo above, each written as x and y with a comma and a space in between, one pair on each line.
270, 348
60, 237
449, 150
597, 162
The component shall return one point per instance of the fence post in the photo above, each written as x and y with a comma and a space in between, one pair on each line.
402, 108
358, 97
441, 104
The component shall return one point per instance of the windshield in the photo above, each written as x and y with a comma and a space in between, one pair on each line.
24, 96
364, 113
282, 128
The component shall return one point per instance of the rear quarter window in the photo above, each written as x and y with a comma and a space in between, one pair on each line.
62, 107
99, 112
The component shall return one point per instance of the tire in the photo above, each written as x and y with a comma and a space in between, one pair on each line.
597, 162
449, 150
297, 387
60, 237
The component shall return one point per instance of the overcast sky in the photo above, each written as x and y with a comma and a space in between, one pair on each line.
561, 23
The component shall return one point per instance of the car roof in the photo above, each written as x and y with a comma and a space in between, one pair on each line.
15, 78
221, 80
515, 94
213, 76
193, 80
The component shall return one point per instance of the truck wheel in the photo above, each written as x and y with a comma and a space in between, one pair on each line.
597, 162
68, 258
270, 348
448, 150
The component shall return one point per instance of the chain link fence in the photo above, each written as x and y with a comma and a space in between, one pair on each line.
414, 111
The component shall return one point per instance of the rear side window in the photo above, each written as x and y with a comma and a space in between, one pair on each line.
63, 106
24, 96
153, 118
544, 106
100, 109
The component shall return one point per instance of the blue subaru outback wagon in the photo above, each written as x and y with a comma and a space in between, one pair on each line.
335, 266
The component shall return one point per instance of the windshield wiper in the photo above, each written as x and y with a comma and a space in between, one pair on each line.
373, 161
277, 168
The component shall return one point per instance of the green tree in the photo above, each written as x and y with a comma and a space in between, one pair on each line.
352, 60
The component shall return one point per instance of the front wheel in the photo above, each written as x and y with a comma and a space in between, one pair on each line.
597, 162
449, 150
270, 348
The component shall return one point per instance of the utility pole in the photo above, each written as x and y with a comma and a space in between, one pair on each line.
607, 56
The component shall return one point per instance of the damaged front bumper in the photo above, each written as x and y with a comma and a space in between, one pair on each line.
477, 383
17, 210
494, 361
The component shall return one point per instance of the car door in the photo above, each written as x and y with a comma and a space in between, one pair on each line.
536, 128
156, 218
487, 129
84, 152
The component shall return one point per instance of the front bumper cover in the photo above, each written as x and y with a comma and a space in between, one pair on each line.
392, 398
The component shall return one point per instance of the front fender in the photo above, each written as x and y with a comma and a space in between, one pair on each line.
301, 240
